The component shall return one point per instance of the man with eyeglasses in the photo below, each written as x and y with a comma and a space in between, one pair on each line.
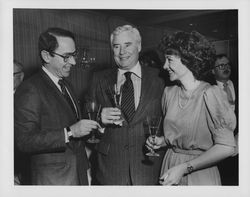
222, 72
47, 117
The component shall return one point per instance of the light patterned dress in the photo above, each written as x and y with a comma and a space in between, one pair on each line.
205, 120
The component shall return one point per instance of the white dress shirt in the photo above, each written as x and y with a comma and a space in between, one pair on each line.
231, 88
55, 80
136, 79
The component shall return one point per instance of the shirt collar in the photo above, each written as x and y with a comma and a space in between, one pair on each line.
51, 76
136, 70
221, 83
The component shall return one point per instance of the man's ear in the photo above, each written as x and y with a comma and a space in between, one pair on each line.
22, 76
46, 56
213, 72
139, 47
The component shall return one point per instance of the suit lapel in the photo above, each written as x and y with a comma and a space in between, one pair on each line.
110, 78
74, 100
58, 94
74, 145
109, 81
146, 85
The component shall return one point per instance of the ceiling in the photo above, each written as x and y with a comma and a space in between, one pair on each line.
215, 24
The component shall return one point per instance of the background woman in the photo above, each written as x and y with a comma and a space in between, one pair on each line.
198, 123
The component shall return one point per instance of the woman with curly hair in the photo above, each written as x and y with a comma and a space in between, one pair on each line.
198, 123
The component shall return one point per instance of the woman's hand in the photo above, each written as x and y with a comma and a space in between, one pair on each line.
155, 143
173, 175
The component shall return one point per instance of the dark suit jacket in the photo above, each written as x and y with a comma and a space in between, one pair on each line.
121, 152
40, 114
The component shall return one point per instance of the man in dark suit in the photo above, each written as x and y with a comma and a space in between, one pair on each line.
120, 155
47, 117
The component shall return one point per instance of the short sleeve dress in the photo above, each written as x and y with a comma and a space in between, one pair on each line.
205, 120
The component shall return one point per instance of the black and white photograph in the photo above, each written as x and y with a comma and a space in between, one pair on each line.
143, 98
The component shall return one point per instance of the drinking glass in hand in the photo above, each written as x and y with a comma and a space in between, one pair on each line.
153, 125
93, 111
117, 96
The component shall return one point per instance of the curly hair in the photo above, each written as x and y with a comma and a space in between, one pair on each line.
195, 51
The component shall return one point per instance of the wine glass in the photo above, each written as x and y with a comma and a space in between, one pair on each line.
117, 96
93, 111
153, 125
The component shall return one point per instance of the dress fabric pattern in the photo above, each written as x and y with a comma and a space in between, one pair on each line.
206, 119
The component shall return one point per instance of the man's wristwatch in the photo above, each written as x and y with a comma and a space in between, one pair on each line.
70, 135
190, 168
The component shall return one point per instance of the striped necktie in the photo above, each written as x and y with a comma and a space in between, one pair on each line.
128, 102
66, 95
229, 93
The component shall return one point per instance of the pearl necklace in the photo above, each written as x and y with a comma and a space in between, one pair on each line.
188, 97
183, 106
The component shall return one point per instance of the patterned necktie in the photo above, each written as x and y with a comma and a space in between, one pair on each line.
128, 102
66, 96
229, 93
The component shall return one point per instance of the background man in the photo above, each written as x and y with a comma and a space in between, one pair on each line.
121, 157
20, 159
47, 118
18, 74
222, 72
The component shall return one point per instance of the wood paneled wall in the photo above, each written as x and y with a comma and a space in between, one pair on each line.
92, 32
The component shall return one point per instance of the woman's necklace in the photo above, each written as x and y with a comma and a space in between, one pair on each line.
184, 99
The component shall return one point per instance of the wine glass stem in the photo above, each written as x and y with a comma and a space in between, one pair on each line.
93, 134
153, 137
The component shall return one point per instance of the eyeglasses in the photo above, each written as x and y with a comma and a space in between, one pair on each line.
17, 73
223, 66
68, 56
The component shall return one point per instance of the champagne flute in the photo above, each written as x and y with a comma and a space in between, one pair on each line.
153, 125
117, 95
93, 111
